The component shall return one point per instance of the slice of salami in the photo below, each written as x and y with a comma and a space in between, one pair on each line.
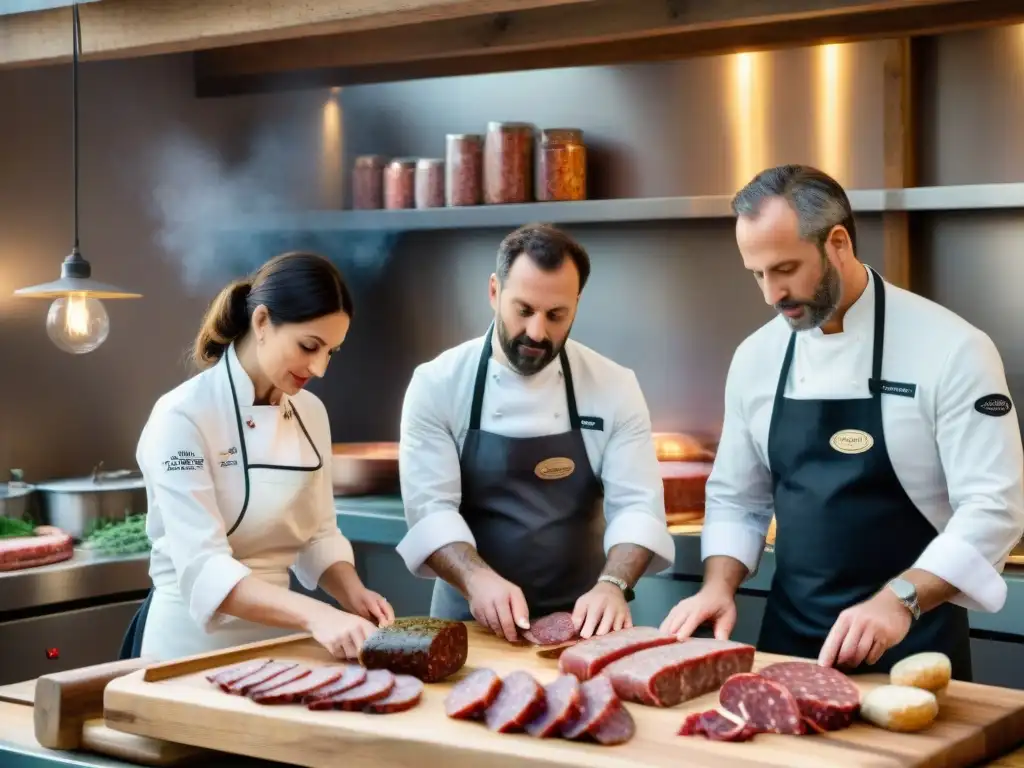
826, 697
297, 672
225, 677
352, 675
618, 728
597, 701
519, 701
471, 696
562, 698
289, 693
404, 695
718, 727
762, 703
260, 676
691, 725
553, 629
377, 685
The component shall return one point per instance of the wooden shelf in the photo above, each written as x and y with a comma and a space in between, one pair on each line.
951, 198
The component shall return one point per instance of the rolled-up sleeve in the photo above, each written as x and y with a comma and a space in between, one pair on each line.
979, 445
634, 493
184, 521
430, 478
738, 503
328, 544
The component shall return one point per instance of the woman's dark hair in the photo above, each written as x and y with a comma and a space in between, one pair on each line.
294, 287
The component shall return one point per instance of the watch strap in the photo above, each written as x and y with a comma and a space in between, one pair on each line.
627, 591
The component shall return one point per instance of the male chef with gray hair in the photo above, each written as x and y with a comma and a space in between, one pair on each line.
528, 469
876, 426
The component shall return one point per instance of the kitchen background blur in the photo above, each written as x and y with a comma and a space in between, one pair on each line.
180, 194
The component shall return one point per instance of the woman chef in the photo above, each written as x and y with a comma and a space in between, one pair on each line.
236, 462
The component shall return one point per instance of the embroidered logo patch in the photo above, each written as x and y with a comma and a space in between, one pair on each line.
993, 405
555, 468
184, 460
851, 441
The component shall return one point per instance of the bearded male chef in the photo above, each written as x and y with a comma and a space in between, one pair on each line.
509, 442
876, 426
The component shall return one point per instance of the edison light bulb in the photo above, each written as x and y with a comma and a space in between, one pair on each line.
77, 323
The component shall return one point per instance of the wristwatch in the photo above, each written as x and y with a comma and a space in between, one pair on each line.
906, 593
627, 591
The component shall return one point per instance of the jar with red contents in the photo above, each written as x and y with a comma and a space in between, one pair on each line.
562, 172
430, 183
400, 183
368, 183
508, 163
463, 169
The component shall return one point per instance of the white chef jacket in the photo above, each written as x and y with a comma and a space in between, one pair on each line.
190, 457
435, 420
963, 469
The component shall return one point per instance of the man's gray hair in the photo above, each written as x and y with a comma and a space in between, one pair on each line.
819, 200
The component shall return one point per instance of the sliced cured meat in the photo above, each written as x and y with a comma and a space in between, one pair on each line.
428, 649
519, 701
553, 629
224, 677
762, 703
618, 728
597, 700
716, 726
267, 672
297, 672
405, 694
352, 675
691, 724
472, 695
289, 693
826, 697
590, 656
377, 685
48, 545
562, 699
667, 675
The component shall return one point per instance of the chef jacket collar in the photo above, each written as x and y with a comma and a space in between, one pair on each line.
245, 390
860, 316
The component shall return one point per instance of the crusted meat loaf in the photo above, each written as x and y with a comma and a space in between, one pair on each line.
425, 648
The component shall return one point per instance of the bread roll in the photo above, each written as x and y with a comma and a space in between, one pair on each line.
900, 708
930, 670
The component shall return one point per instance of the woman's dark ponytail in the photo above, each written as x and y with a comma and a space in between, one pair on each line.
225, 321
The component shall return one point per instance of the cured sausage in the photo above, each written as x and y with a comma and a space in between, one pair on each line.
562, 698
224, 678
597, 700
588, 657
377, 685
519, 701
667, 675
352, 675
426, 648
405, 695
762, 703
267, 672
618, 728
48, 545
553, 629
288, 676
716, 726
295, 691
825, 696
472, 695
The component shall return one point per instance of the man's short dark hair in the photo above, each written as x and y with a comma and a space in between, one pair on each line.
819, 200
546, 246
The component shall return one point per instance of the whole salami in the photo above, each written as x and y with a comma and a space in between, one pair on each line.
826, 697
428, 649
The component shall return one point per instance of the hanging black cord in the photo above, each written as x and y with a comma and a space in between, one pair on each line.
76, 44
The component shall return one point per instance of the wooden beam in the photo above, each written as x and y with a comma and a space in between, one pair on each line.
128, 28
601, 33
899, 155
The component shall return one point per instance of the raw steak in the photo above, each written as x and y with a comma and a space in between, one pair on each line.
519, 701
472, 695
428, 649
667, 675
225, 677
562, 698
377, 685
319, 677
618, 728
352, 675
297, 672
826, 697
48, 545
763, 704
597, 702
552, 629
590, 656
263, 674
405, 694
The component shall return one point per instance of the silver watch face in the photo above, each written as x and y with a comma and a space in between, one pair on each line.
904, 589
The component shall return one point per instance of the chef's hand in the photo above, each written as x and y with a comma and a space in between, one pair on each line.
866, 631
497, 604
601, 610
370, 605
713, 603
341, 633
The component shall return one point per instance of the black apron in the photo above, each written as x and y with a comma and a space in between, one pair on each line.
844, 525
537, 527
131, 645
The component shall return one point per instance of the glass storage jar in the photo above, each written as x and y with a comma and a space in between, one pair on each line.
463, 168
368, 183
562, 172
508, 163
429, 183
400, 183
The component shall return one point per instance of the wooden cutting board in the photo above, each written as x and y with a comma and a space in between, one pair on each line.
173, 701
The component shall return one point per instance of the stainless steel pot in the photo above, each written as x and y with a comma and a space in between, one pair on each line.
74, 504
14, 500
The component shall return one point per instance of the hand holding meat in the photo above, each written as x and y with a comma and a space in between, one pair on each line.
711, 603
866, 631
497, 604
343, 634
601, 610
370, 605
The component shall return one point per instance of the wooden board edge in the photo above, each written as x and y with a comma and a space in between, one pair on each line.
187, 665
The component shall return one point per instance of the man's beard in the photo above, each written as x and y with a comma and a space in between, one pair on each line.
818, 310
525, 364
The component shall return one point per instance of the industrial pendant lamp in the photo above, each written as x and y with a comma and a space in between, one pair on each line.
77, 321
